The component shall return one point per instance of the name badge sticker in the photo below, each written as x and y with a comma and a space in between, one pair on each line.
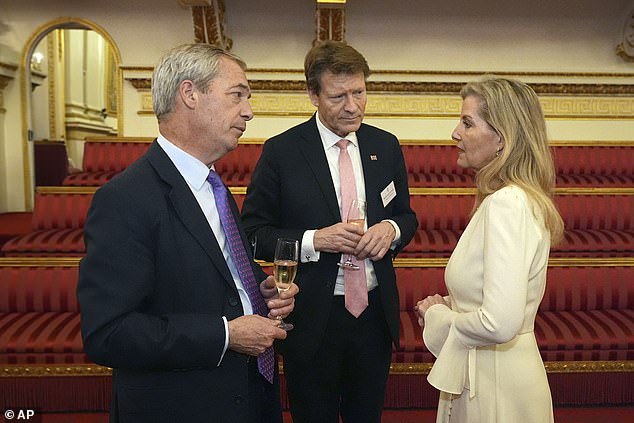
388, 194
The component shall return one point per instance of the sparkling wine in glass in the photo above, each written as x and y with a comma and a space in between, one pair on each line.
356, 215
285, 268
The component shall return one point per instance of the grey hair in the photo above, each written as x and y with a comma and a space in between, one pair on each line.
198, 63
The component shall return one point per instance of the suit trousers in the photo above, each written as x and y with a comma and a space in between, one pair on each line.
348, 374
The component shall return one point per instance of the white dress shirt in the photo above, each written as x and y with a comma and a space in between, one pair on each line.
329, 140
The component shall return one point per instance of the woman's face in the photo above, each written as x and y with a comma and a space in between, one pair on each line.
477, 141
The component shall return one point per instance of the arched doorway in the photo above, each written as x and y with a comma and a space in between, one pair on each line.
71, 89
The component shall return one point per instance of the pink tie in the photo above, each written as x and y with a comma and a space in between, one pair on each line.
356, 287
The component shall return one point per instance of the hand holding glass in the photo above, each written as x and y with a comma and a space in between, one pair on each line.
356, 215
285, 269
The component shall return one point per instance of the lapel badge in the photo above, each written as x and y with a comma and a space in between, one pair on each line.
373, 157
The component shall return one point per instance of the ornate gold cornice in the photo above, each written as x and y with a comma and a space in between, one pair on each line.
330, 21
415, 87
209, 24
626, 48
88, 370
140, 83
470, 74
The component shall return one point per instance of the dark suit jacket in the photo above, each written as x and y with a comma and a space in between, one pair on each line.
152, 288
292, 191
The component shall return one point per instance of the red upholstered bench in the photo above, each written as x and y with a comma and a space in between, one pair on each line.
39, 313
57, 226
106, 157
601, 165
599, 222
236, 167
584, 330
432, 164
587, 313
58, 223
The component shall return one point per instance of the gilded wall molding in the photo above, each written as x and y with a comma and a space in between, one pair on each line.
6, 75
415, 87
418, 105
330, 21
209, 24
421, 262
34, 370
626, 48
4, 81
140, 83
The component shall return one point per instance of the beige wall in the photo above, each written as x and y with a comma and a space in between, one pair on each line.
449, 41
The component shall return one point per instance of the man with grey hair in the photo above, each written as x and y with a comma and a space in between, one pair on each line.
170, 296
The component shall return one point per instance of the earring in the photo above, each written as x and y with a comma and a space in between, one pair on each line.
497, 153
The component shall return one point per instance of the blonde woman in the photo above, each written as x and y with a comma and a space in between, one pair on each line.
488, 366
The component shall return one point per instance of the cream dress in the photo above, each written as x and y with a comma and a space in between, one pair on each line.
488, 367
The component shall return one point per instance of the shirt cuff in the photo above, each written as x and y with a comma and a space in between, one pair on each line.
224, 350
308, 252
397, 235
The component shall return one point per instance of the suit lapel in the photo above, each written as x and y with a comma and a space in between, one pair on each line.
188, 209
315, 156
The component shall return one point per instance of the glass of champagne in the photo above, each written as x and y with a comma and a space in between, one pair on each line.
356, 215
285, 268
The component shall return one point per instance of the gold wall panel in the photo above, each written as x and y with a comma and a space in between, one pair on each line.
430, 106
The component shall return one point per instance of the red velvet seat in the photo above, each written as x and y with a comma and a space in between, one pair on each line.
39, 315
433, 165
103, 160
596, 225
58, 220
587, 313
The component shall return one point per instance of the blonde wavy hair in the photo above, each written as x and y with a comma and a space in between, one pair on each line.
513, 110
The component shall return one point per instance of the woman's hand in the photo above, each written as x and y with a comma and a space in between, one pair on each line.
423, 305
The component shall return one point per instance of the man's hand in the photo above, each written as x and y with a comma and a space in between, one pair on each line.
375, 242
253, 334
338, 238
280, 305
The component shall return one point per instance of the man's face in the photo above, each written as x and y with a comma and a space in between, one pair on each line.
341, 102
223, 111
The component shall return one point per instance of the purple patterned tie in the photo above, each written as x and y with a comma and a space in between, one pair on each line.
242, 263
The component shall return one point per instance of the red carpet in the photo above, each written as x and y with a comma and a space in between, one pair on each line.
562, 415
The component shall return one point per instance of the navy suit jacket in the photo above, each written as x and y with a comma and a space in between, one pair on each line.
153, 288
292, 191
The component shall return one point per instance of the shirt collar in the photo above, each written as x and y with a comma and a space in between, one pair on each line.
193, 170
329, 138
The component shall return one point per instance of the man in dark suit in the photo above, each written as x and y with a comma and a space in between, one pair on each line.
336, 359
170, 296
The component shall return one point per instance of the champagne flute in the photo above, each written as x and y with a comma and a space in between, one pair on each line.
356, 215
285, 269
